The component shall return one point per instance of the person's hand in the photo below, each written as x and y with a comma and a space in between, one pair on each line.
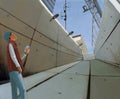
19, 69
27, 49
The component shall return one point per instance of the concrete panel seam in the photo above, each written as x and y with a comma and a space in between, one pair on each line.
104, 76
31, 38
56, 42
51, 47
14, 30
89, 81
49, 78
117, 65
110, 34
16, 18
33, 28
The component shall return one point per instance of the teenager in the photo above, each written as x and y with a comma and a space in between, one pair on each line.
15, 66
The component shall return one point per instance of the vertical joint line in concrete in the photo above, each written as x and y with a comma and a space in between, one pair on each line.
89, 81
57, 49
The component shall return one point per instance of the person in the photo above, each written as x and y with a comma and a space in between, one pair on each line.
15, 66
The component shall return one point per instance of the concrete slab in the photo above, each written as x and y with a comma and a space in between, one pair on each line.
72, 83
11, 22
105, 81
65, 58
5, 89
82, 68
50, 29
107, 46
105, 88
28, 11
62, 68
103, 69
40, 58
44, 40
64, 86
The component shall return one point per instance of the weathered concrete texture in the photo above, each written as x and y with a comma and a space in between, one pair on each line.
72, 81
105, 79
108, 43
70, 84
33, 80
30, 21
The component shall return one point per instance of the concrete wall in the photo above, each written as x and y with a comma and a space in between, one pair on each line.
108, 43
30, 21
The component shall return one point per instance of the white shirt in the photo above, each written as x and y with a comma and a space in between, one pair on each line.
13, 56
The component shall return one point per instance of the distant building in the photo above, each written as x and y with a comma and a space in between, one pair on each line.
79, 40
49, 4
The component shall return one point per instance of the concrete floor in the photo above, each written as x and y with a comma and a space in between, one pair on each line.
105, 81
73, 82
70, 84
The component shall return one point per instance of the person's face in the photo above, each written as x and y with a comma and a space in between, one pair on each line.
13, 37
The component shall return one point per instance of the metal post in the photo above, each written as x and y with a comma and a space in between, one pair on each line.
65, 11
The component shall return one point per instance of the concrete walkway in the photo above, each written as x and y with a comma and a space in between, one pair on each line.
81, 80
105, 81
70, 84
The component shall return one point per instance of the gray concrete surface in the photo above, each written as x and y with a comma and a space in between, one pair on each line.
105, 81
107, 47
70, 84
73, 82
31, 81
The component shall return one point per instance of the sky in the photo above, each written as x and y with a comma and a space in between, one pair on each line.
77, 21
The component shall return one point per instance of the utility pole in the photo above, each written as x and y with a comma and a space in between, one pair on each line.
65, 12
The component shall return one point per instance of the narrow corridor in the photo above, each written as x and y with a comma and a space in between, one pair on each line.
72, 81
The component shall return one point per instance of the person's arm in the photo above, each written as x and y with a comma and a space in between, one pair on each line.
23, 56
26, 52
13, 57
